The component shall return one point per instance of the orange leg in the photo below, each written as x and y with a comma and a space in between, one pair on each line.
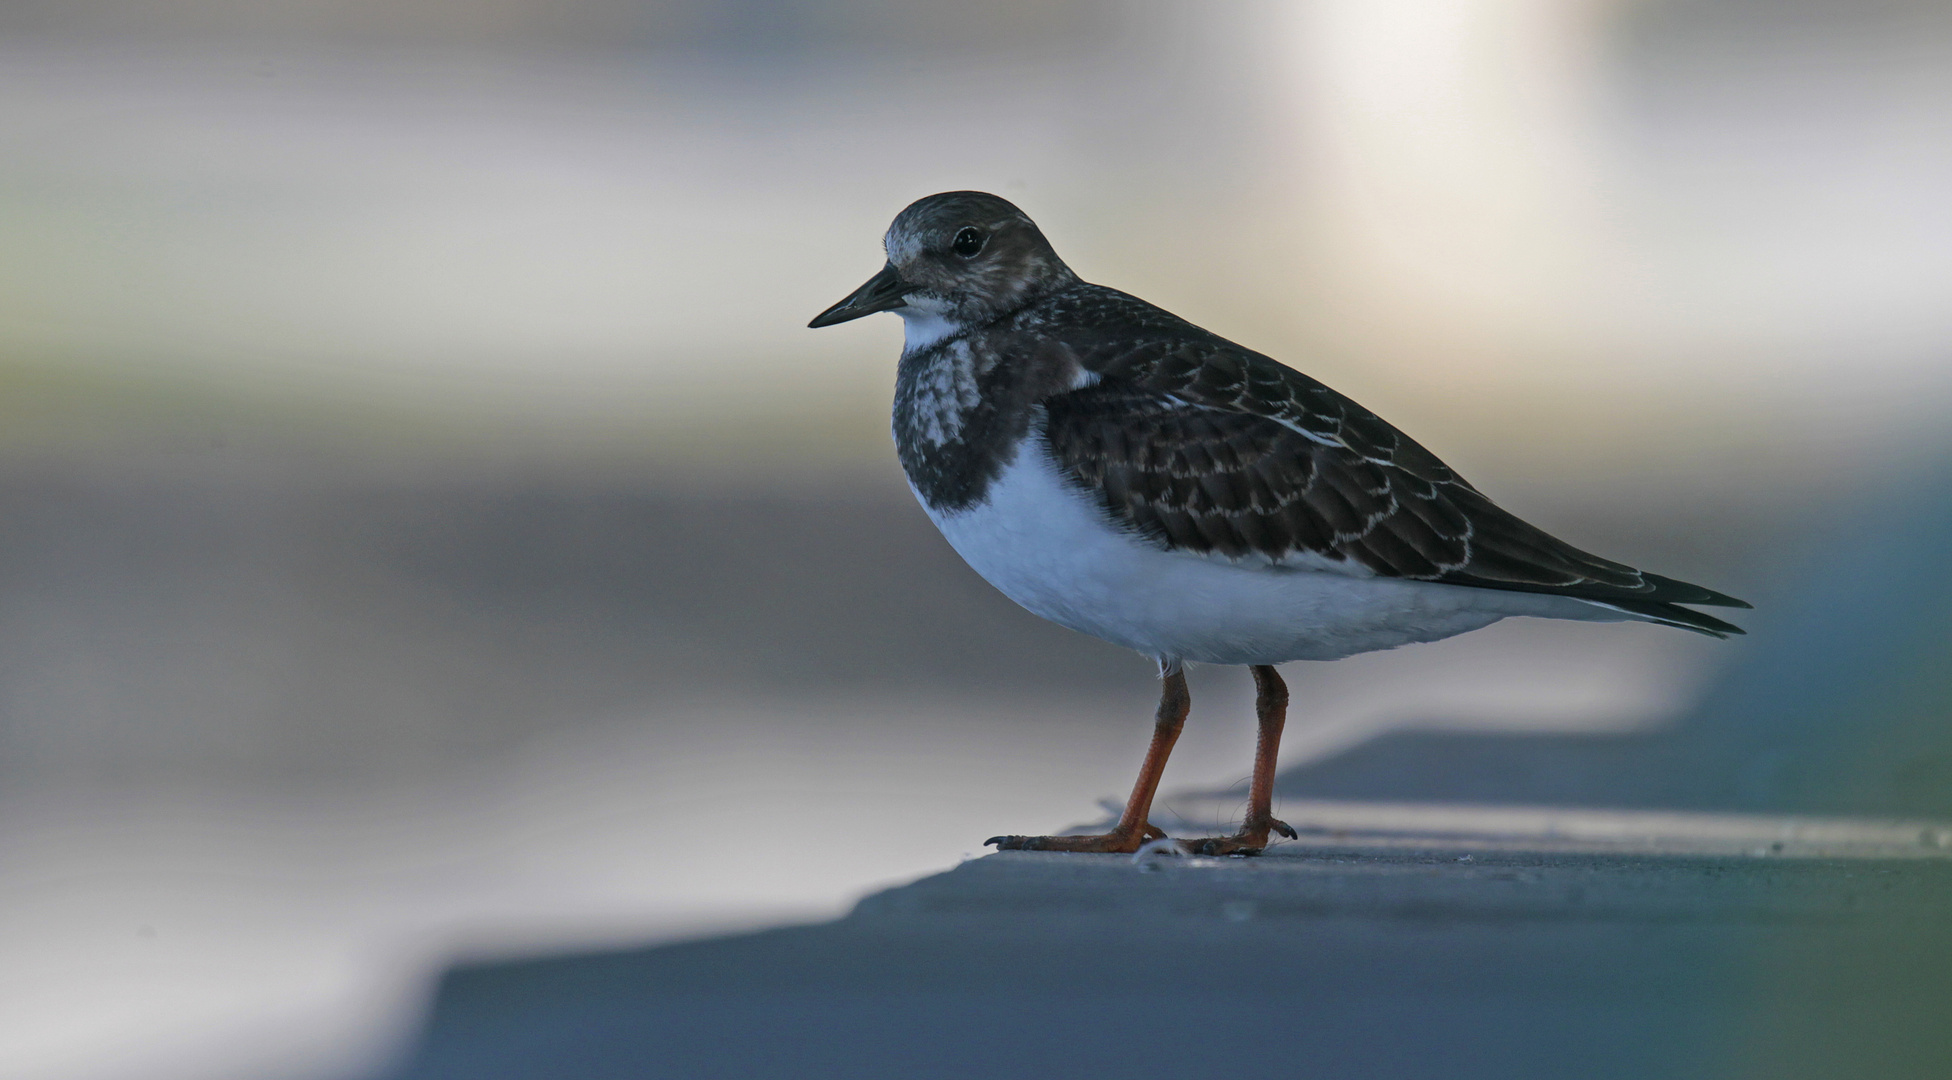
1271, 709
1132, 829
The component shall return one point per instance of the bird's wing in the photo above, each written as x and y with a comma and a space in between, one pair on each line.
1206, 447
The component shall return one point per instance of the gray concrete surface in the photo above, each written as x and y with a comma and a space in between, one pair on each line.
1315, 961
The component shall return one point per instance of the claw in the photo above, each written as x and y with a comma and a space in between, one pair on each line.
1248, 841
1119, 843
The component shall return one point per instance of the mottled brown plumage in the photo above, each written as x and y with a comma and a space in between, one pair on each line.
1202, 445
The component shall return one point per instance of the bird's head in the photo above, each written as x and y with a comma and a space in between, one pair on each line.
960, 259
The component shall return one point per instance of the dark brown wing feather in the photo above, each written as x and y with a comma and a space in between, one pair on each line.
1208, 447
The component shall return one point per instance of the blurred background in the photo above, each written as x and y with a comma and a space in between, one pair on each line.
430, 531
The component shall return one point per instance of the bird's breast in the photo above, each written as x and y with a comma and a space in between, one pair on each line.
959, 415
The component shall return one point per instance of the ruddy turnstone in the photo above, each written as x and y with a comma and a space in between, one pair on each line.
1118, 470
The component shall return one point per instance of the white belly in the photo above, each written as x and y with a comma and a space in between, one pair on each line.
1048, 547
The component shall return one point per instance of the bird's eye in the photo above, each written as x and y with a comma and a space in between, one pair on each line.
967, 243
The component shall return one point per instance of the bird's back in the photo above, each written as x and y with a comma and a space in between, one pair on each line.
1204, 446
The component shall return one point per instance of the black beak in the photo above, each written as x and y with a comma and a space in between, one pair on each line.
883, 292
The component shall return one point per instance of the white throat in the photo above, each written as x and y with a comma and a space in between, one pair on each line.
925, 325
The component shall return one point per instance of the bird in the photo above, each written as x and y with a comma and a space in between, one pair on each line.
1124, 473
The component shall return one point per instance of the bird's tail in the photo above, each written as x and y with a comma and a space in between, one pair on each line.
1672, 614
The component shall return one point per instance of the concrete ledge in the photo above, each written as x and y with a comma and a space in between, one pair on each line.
1403, 959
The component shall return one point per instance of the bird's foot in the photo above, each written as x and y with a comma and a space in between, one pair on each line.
1116, 842
1250, 840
